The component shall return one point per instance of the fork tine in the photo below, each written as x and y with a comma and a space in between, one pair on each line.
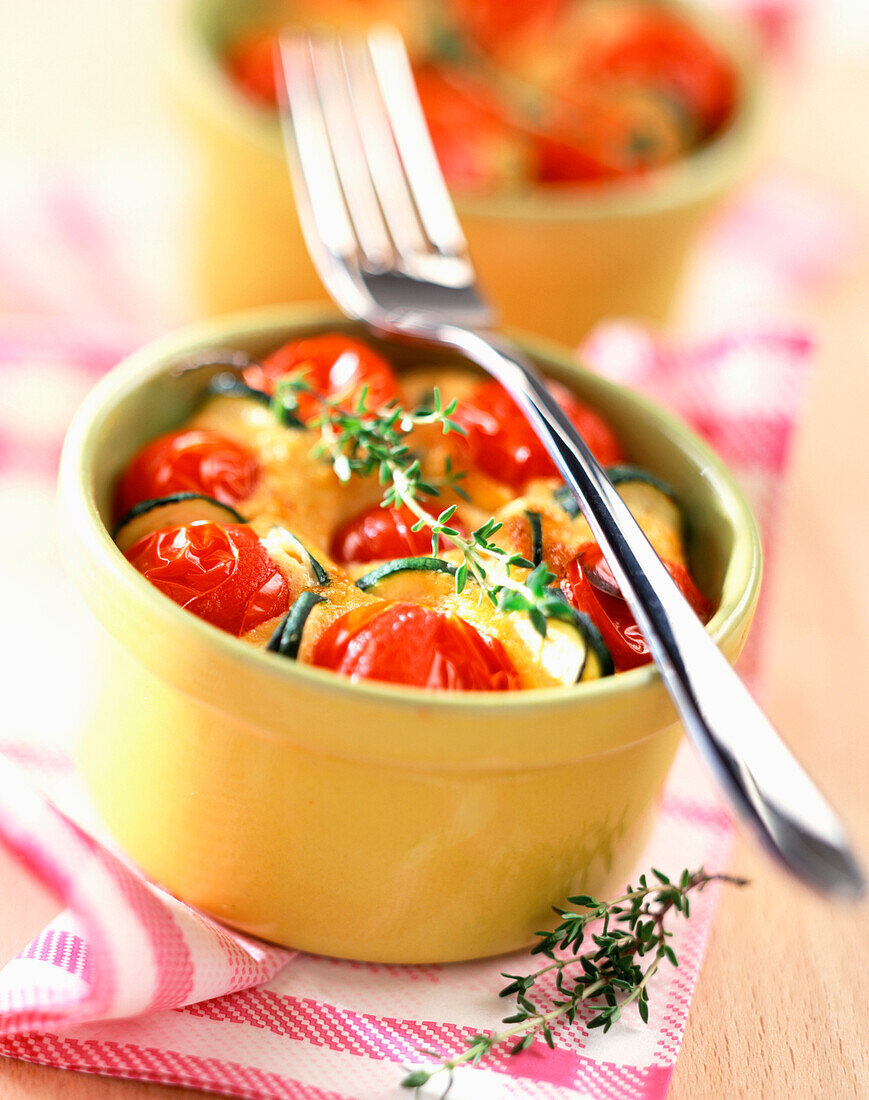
319, 199
348, 154
409, 128
375, 134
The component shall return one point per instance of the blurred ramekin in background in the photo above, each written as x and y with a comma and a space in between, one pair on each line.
555, 258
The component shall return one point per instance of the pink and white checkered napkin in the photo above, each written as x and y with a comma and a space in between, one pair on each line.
130, 982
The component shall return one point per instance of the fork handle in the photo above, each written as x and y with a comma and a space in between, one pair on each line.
756, 771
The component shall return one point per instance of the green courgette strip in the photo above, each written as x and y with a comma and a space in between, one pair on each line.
320, 573
288, 634
228, 384
591, 636
146, 506
405, 565
625, 472
536, 524
617, 475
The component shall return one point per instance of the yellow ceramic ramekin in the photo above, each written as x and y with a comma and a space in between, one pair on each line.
365, 820
553, 259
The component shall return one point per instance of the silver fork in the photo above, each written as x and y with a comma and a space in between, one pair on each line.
385, 239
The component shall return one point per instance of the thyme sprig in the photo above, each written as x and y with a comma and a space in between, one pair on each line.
628, 949
360, 442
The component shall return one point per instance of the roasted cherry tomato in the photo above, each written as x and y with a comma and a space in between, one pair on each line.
221, 573
190, 461
658, 50
477, 147
589, 584
503, 444
336, 367
404, 643
380, 533
251, 64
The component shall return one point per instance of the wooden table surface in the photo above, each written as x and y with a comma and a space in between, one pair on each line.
780, 1009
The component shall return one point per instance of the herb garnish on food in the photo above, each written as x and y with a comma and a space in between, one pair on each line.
613, 974
363, 443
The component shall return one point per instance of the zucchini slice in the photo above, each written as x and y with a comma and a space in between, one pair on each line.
319, 572
405, 565
281, 541
228, 384
652, 503
288, 634
170, 511
573, 650
536, 524
598, 661
567, 500
624, 477
621, 474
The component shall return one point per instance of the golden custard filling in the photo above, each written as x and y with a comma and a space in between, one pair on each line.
407, 528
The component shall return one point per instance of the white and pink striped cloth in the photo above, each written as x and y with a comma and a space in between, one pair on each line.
129, 982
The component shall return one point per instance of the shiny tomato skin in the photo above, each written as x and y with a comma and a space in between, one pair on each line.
502, 443
381, 533
335, 366
222, 573
404, 643
192, 460
610, 612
